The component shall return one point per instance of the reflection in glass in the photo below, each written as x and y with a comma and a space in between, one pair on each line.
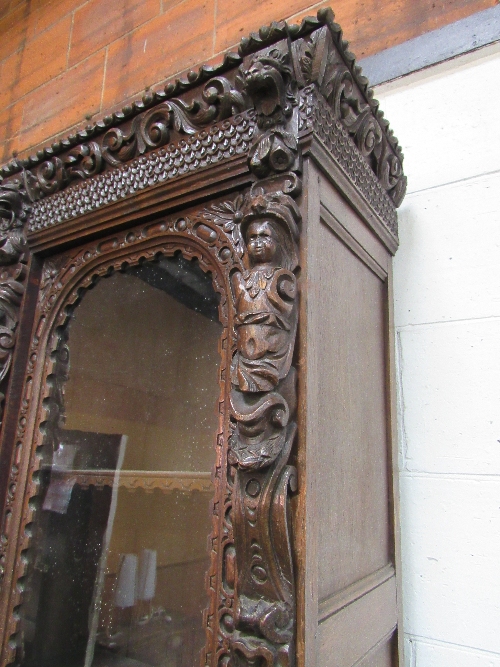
120, 553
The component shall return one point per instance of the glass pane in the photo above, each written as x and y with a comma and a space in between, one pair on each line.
120, 550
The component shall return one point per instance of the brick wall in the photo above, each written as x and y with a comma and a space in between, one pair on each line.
63, 62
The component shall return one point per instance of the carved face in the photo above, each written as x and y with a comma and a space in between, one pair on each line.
261, 242
266, 85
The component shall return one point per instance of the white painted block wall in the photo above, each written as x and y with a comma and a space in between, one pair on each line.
447, 317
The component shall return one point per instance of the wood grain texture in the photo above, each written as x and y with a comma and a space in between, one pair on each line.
353, 478
352, 621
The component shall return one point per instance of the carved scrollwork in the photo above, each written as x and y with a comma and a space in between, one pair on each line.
258, 623
147, 131
14, 209
325, 61
11, 295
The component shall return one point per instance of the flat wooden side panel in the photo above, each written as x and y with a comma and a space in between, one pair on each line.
380, 656
360, 633
348, 337
347, 369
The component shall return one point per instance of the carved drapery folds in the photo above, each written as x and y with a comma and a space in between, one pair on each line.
14, 210
263, 380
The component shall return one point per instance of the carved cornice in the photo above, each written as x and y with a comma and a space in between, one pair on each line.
267, 35
313, 53
318, 116
325, 61
221, 142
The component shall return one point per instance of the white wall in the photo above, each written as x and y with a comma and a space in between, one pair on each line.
447, 316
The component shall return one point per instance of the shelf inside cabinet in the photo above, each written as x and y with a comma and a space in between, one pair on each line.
148, 480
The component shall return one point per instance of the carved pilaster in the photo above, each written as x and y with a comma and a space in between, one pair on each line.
263, 380
14, 210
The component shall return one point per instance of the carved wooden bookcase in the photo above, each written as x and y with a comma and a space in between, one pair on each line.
277, 172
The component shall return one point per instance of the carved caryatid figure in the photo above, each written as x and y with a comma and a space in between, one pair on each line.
263, 404
265, 295
265, 299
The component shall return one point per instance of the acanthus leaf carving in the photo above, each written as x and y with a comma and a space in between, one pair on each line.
325, 62
14, 209
149, 130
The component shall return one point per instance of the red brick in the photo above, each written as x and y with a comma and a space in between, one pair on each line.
5, 153
63, 102
15, 29
237, 19
42, 59
7, 6
9, 77
48, 12
177, 40
371, 27
10, 122
99, 23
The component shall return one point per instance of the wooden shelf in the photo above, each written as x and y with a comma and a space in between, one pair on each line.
148, 480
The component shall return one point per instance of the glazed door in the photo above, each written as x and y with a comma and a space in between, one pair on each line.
124, 455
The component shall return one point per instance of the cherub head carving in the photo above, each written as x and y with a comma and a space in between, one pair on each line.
269, 229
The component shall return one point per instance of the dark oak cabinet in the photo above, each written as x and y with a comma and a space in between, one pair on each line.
196, 445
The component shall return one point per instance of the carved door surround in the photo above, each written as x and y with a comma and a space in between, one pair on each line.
224, 166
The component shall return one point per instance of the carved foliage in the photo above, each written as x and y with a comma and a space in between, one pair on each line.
220, 142
150, 129
325, 61
263, 403
259, 627
14, 210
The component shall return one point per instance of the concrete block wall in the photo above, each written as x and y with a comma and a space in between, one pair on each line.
447, 317
64, 62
